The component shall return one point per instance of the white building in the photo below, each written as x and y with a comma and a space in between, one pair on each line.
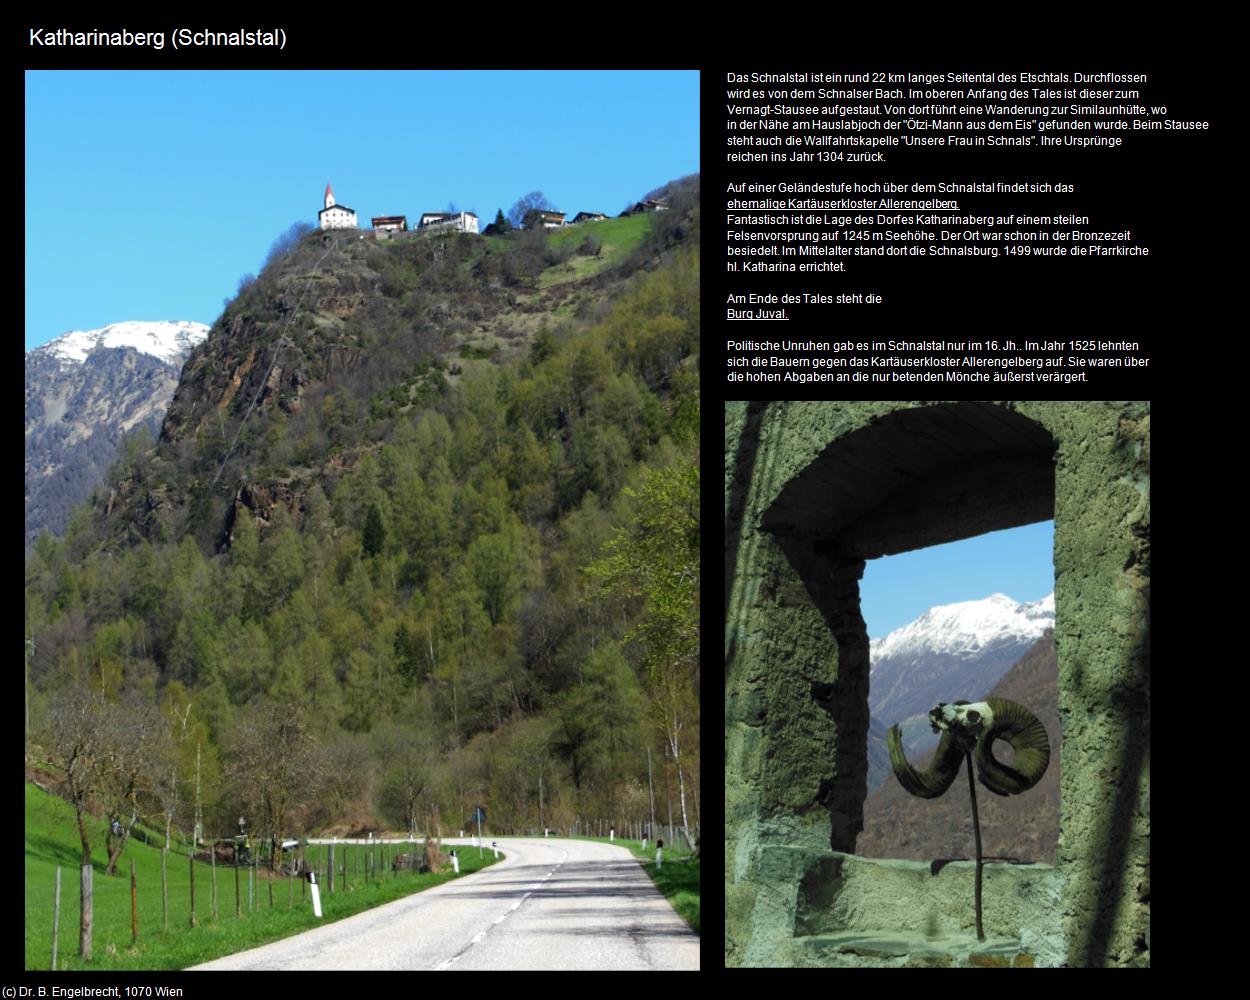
465, 222
335, 216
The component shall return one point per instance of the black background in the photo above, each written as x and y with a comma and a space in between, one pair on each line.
1174, 190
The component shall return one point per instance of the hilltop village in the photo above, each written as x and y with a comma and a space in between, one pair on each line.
336, 216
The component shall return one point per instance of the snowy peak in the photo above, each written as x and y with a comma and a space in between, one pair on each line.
85, 391
169, 341
967, 629
950, 652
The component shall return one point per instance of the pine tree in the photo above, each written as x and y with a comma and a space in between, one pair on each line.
374, 533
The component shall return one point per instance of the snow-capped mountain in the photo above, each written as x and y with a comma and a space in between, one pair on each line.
952, 652
85, 391
167, 340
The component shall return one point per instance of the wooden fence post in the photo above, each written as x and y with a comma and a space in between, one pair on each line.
238, 908
330, 887
84, 927
134, 905
56, 915
191, 862
290, 892
213, 857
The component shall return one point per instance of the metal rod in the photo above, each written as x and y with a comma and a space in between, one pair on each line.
976, 829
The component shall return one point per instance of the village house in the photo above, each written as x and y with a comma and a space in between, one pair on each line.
334, 215
646, 206
548, 220
464, 222
588, 217
394, 223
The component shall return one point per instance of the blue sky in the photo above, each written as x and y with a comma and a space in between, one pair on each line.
1018, 562
148, 194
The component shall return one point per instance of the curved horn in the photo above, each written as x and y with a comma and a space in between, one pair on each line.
1027, 737
933, 782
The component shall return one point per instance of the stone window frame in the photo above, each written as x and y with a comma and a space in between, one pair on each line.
805, 746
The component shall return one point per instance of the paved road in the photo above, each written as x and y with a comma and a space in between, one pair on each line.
549, 904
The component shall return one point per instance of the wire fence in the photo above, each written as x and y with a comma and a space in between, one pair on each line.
235, 878
223, 880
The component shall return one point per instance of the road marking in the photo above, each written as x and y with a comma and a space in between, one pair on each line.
446, 963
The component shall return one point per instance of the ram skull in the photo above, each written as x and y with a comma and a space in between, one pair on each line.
974, 726
969, 729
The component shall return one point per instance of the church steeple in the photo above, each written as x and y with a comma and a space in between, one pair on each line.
334, 215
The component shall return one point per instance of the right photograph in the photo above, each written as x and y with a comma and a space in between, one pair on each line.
937, 665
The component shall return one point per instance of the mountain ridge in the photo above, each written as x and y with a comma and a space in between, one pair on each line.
952, 651
85, 391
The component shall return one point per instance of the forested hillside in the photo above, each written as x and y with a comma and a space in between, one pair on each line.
420, 534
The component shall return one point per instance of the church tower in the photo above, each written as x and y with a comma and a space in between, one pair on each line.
334, 215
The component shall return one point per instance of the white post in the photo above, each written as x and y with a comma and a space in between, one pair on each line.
612, 834
455, 862
316, 894
494, 846
659, 858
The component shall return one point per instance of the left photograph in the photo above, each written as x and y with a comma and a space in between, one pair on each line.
361, 610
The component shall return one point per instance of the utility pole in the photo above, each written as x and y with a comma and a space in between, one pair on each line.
199, 816
651, 787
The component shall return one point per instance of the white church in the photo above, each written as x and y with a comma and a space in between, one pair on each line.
336, 216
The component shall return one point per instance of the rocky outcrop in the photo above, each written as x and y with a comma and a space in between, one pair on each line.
284, 333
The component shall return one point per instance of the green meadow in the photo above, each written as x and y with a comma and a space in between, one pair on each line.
279, 907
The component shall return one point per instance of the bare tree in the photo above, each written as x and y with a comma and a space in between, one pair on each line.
535, 201
136, 745
409, 750
73, 744
275, 767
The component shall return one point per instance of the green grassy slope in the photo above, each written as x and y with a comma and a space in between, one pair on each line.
617, 238
51, 840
